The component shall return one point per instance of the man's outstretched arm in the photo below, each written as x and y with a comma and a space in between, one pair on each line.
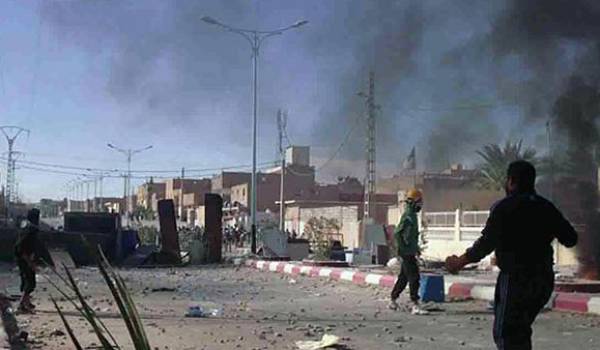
482, 246
565, 233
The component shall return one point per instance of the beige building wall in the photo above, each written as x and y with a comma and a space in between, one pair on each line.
565, 256
199, 220
240, 193
347, 217
394, 214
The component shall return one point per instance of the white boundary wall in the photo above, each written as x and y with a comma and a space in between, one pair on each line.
450, 233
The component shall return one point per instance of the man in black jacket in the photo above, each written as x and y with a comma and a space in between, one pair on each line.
520, 228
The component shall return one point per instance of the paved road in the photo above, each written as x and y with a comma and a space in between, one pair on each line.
264, 310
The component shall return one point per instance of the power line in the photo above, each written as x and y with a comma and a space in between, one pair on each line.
73, 173
53, 171
93, 169
461, 107
334, 155
342, 144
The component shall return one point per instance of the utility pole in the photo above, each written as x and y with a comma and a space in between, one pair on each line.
124, 209
11, 133
87, 196
94, 206
181, 194
281, 124
550, 156
255, 38
101, 180
127, 177
80, 202
369, 204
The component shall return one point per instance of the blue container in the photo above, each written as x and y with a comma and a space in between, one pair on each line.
432, 288
130, 241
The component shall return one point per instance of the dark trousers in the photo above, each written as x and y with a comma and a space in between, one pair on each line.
519, 298
27, 276
409, 274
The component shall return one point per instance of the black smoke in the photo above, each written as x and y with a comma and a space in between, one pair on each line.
167, 63
558, 42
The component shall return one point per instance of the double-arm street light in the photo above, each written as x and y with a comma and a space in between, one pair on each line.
128, 153
255, 38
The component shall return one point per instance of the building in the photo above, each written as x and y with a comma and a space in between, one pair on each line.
448, 190
222, 183
112, 204
451, 191
343, 201
400, 182
268, 186
299, 182
50, 208
176, 189
149, 192
348, 214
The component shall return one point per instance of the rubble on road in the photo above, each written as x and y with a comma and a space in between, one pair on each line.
9, 324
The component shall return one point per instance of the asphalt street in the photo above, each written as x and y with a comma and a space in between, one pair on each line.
262, 310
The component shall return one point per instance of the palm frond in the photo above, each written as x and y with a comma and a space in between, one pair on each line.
67, 326
496, 158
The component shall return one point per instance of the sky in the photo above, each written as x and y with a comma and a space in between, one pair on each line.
81, 74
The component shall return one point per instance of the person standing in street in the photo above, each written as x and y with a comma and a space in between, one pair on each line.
406, 236
25, 256
520, 228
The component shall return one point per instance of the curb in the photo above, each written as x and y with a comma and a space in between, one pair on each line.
560, 301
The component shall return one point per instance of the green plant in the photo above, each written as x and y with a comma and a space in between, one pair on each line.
319, 231
496, 160
143, 212
122, 297
148, 234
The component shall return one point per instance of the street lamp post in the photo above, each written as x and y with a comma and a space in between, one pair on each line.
255, 38
128, 153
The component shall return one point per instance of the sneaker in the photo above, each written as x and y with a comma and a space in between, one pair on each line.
417, 310
393, 305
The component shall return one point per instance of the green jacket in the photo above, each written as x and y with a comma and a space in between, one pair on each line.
407, 232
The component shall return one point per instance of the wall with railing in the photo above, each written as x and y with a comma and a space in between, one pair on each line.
452, 232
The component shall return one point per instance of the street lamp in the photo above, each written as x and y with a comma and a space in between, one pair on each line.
255, 38
128, 153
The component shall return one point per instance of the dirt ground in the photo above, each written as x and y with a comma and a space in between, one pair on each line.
262, 310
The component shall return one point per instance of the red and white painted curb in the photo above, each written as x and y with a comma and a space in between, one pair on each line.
562, 301
338, 274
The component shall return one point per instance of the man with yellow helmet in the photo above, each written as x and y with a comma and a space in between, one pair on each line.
406, 235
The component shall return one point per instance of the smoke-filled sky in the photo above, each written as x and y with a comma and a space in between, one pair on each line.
450, 77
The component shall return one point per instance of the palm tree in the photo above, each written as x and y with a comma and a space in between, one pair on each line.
497, 158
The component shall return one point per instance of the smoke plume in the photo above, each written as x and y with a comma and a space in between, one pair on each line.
558, 42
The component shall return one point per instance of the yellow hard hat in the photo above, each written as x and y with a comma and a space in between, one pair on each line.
414, 195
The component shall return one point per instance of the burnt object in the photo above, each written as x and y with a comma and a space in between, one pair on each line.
169, 252
213, 215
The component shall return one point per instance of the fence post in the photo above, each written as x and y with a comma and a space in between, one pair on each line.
457, 223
